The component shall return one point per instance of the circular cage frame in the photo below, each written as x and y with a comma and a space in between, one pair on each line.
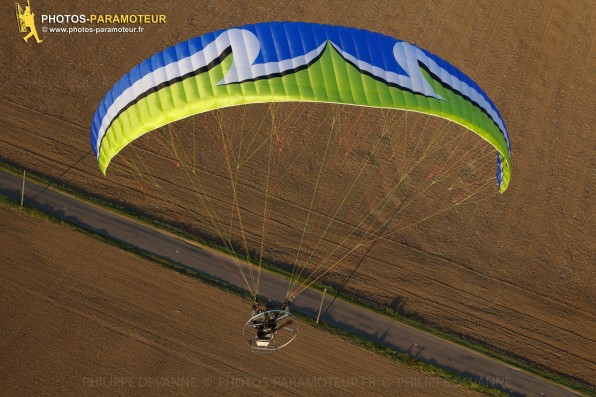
281, 335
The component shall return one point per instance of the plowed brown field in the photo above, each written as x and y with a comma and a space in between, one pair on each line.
515, 273
82, 317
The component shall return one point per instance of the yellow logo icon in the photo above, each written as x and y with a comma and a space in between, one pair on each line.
25, 20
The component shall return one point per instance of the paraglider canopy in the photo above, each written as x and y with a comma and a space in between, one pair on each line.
286, 62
